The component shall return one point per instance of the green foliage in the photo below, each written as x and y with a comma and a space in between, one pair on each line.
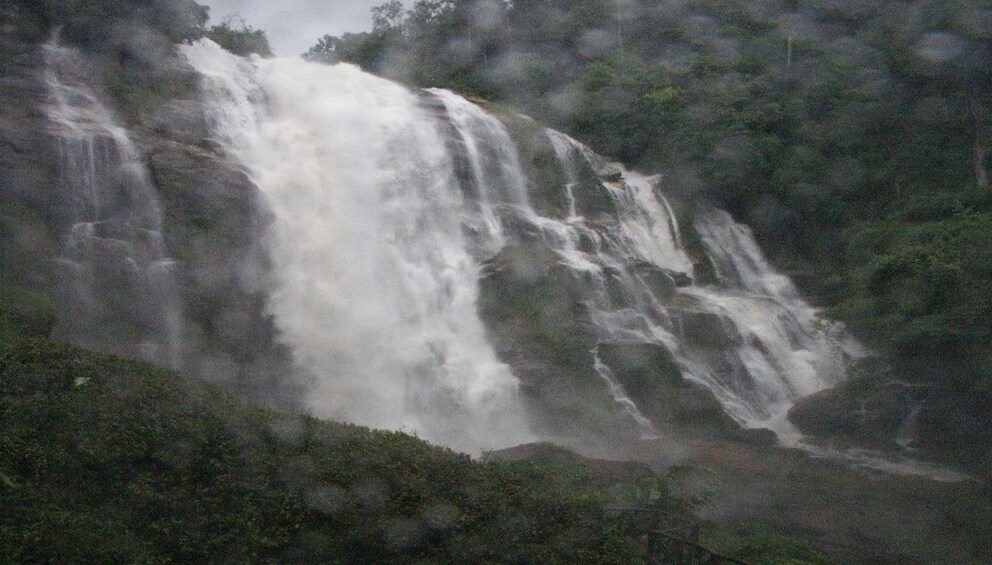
625, 105
99, 24
778, 550
243, 40
111, 460
387, 16
24, 313
129, 43
326, 50
923, 280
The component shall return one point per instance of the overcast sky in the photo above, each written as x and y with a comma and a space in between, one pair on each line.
295, 25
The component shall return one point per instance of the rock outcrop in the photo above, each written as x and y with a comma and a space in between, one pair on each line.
213, 217
922, 418
28, 167
878, 413
533, 307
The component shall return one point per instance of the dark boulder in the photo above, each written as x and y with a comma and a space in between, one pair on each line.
707, 330
872, 411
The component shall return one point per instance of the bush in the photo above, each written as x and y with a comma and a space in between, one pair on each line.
241, 41
110, 460
24, 313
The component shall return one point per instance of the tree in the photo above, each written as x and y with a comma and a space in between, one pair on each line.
243, 40
327, 50
388, 16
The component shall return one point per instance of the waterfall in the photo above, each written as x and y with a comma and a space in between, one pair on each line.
783, 346
114, 281
498, 186
749, 338
771, 347
374, 279
385, 203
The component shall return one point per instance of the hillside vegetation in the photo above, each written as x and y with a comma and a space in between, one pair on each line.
105, 459
111, 460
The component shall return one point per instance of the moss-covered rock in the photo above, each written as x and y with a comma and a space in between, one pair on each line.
546, 177
877, 409
869, 410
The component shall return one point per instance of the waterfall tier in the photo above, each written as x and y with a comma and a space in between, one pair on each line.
114, 279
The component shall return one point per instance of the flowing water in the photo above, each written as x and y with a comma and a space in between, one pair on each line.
748, 337
115, 282
387, 201
375, 286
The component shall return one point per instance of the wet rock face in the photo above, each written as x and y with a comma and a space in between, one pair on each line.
208, 205
662, 284
707, 330
28, 167
545, 174
592, 199
533, 309
924, 418
879, 414
653, 380
180, 121
212, 215
214, 220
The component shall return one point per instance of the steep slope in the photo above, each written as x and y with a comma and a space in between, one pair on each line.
852, 137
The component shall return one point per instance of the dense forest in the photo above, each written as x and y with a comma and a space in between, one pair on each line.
851, 136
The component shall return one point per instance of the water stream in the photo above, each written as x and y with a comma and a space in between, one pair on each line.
114, 279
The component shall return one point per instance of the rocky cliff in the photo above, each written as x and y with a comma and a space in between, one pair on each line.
211, 215
617, 322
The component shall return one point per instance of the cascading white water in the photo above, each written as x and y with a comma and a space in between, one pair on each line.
115, 280
498, 187
768, 347
376, 243
786, 349
500, 197
774, 349
771, 346
622, 399
374, 282
566, 151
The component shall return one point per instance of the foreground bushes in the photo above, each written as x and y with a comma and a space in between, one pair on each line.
110, 460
